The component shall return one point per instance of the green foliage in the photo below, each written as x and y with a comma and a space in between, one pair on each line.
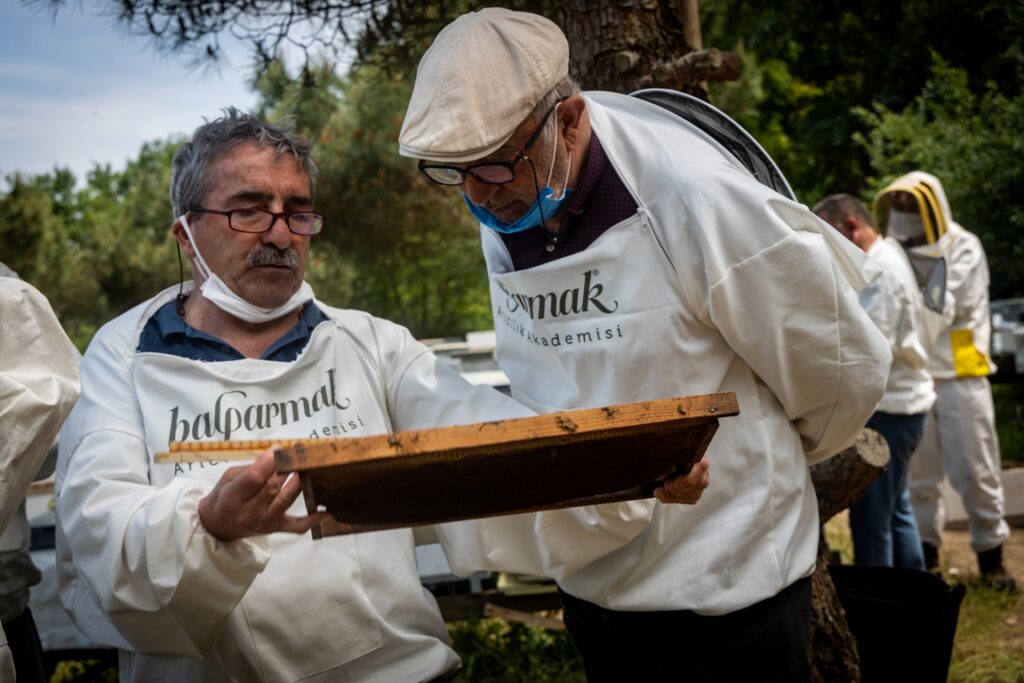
94, 251
311, 98
815, 61
973, 144
497, 651
91, 670
747, 100
412, 251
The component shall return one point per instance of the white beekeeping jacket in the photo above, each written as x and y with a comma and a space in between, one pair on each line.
716, 284
895, 304
38, 387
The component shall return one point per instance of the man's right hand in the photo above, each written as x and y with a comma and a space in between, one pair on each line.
685, 489
254, 500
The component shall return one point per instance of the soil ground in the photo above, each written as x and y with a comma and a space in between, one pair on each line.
960, 561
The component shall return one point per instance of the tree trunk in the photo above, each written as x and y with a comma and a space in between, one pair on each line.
838, 482
833, 654
625, 45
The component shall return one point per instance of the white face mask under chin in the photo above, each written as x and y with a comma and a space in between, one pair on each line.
905, 227
220, 295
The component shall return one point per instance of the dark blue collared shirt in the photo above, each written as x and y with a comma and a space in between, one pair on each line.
167, 332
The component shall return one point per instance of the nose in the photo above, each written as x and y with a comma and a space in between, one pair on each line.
279, 235
476, 191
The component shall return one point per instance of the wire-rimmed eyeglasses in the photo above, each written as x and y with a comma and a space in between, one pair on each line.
261, 220
490, 172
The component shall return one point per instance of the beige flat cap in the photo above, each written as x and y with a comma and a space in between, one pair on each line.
483, 75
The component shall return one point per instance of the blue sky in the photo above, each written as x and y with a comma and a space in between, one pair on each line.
82, 90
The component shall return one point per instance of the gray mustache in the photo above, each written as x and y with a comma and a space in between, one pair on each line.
269, 255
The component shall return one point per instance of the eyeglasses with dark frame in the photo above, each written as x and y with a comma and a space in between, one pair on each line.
489, 172
260, 220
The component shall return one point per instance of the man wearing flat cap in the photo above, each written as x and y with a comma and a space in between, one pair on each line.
632, 258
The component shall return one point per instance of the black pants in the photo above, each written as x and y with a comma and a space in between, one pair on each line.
766, 642
23, 640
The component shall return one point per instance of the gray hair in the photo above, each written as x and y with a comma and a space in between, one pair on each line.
566, 87
834, 208
189, 181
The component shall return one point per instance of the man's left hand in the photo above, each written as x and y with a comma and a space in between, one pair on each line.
686, 489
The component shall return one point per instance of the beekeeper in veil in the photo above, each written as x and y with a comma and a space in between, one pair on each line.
960, 438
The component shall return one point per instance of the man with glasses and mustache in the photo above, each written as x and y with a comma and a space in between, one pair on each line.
633, 258
178, 565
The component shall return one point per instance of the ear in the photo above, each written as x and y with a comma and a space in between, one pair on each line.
182, 239
862, 234
851, 225
573, 120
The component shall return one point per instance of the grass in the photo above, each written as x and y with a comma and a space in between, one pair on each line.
989, 645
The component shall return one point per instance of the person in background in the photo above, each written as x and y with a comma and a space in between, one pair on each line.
960, 436
881, 520
632, 258
38, 387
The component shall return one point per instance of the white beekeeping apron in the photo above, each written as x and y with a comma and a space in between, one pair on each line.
592, 328
318, 395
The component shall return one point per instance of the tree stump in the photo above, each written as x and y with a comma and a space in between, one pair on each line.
838, 482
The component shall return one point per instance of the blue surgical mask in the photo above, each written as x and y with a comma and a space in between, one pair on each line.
546, 205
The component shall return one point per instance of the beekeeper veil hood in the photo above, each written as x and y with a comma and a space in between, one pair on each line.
923, 219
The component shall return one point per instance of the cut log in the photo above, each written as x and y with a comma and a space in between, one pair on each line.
840, 480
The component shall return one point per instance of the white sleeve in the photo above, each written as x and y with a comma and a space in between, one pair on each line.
38, 387
134, 551
427, 393
911, 333
895, 313
878, 303
554, 543
790, 314
968, 280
